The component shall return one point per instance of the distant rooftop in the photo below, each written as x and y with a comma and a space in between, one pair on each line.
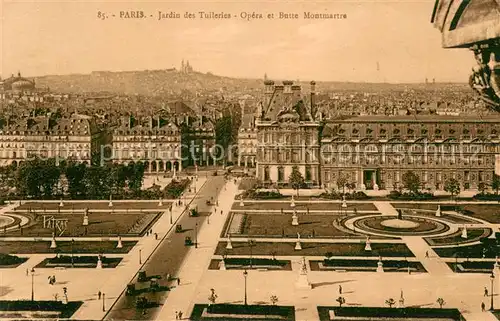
422, 118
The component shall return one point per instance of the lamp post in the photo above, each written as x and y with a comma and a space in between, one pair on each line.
245, 275
72, 243
32, 284
103, 306
492, 278
196, 234
171, 222
140, 256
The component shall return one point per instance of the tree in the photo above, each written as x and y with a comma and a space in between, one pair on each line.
296, 179
411, 181
495, 184
390, 302
342, 182
452, 186
340, 300
223, 135
441, 302
481, 187
274, 299
75, 172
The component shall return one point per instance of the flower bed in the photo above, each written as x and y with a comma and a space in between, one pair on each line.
239, 312
316, 249
379, 313
473, 234
7, 260
366, 265
79, 262
63, 310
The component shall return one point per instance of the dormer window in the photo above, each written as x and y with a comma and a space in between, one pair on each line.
395, 131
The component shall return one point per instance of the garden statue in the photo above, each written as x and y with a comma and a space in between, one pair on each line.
86, 217
438, 211
292, 204
380, 265
368, 246
298, 246
344, 202
295, 218
119, 245
99, 262
53, 244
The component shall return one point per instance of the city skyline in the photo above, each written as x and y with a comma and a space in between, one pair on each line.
379, 42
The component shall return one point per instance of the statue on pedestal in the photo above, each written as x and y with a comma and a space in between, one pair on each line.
295, 218
298, 246
86, 217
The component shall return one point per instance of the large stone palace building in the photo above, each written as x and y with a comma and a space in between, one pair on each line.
153, 141
285, 126
74, 137
373, 152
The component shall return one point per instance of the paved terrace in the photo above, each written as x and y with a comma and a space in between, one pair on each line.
83, 284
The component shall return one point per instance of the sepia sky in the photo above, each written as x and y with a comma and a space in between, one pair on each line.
62, 37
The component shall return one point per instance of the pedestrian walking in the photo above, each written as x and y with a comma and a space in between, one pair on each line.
156, 236
340, 289
177, 315
483, 307
180, 315
99, 295
178, 281
427, 254
485, 291
26, 272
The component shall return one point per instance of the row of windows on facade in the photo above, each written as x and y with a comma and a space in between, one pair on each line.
281, 174
412, 147
412, 159
146, 138
293, 156
144, 154
438, 133
147, 145
288, 139
481, 176
422, 128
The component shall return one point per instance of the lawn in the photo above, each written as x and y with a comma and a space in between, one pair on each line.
92, 205
386, 313
472, 266
302, 206
487, 212
266, 225
100, 224
238, 312
315, 249
95, 247
472, 235
471, 251
366, 265
78, 262
245, 263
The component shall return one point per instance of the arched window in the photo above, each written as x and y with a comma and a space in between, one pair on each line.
281, 174
266, 173
308, 173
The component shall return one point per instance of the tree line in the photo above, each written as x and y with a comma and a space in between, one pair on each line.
48, 179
